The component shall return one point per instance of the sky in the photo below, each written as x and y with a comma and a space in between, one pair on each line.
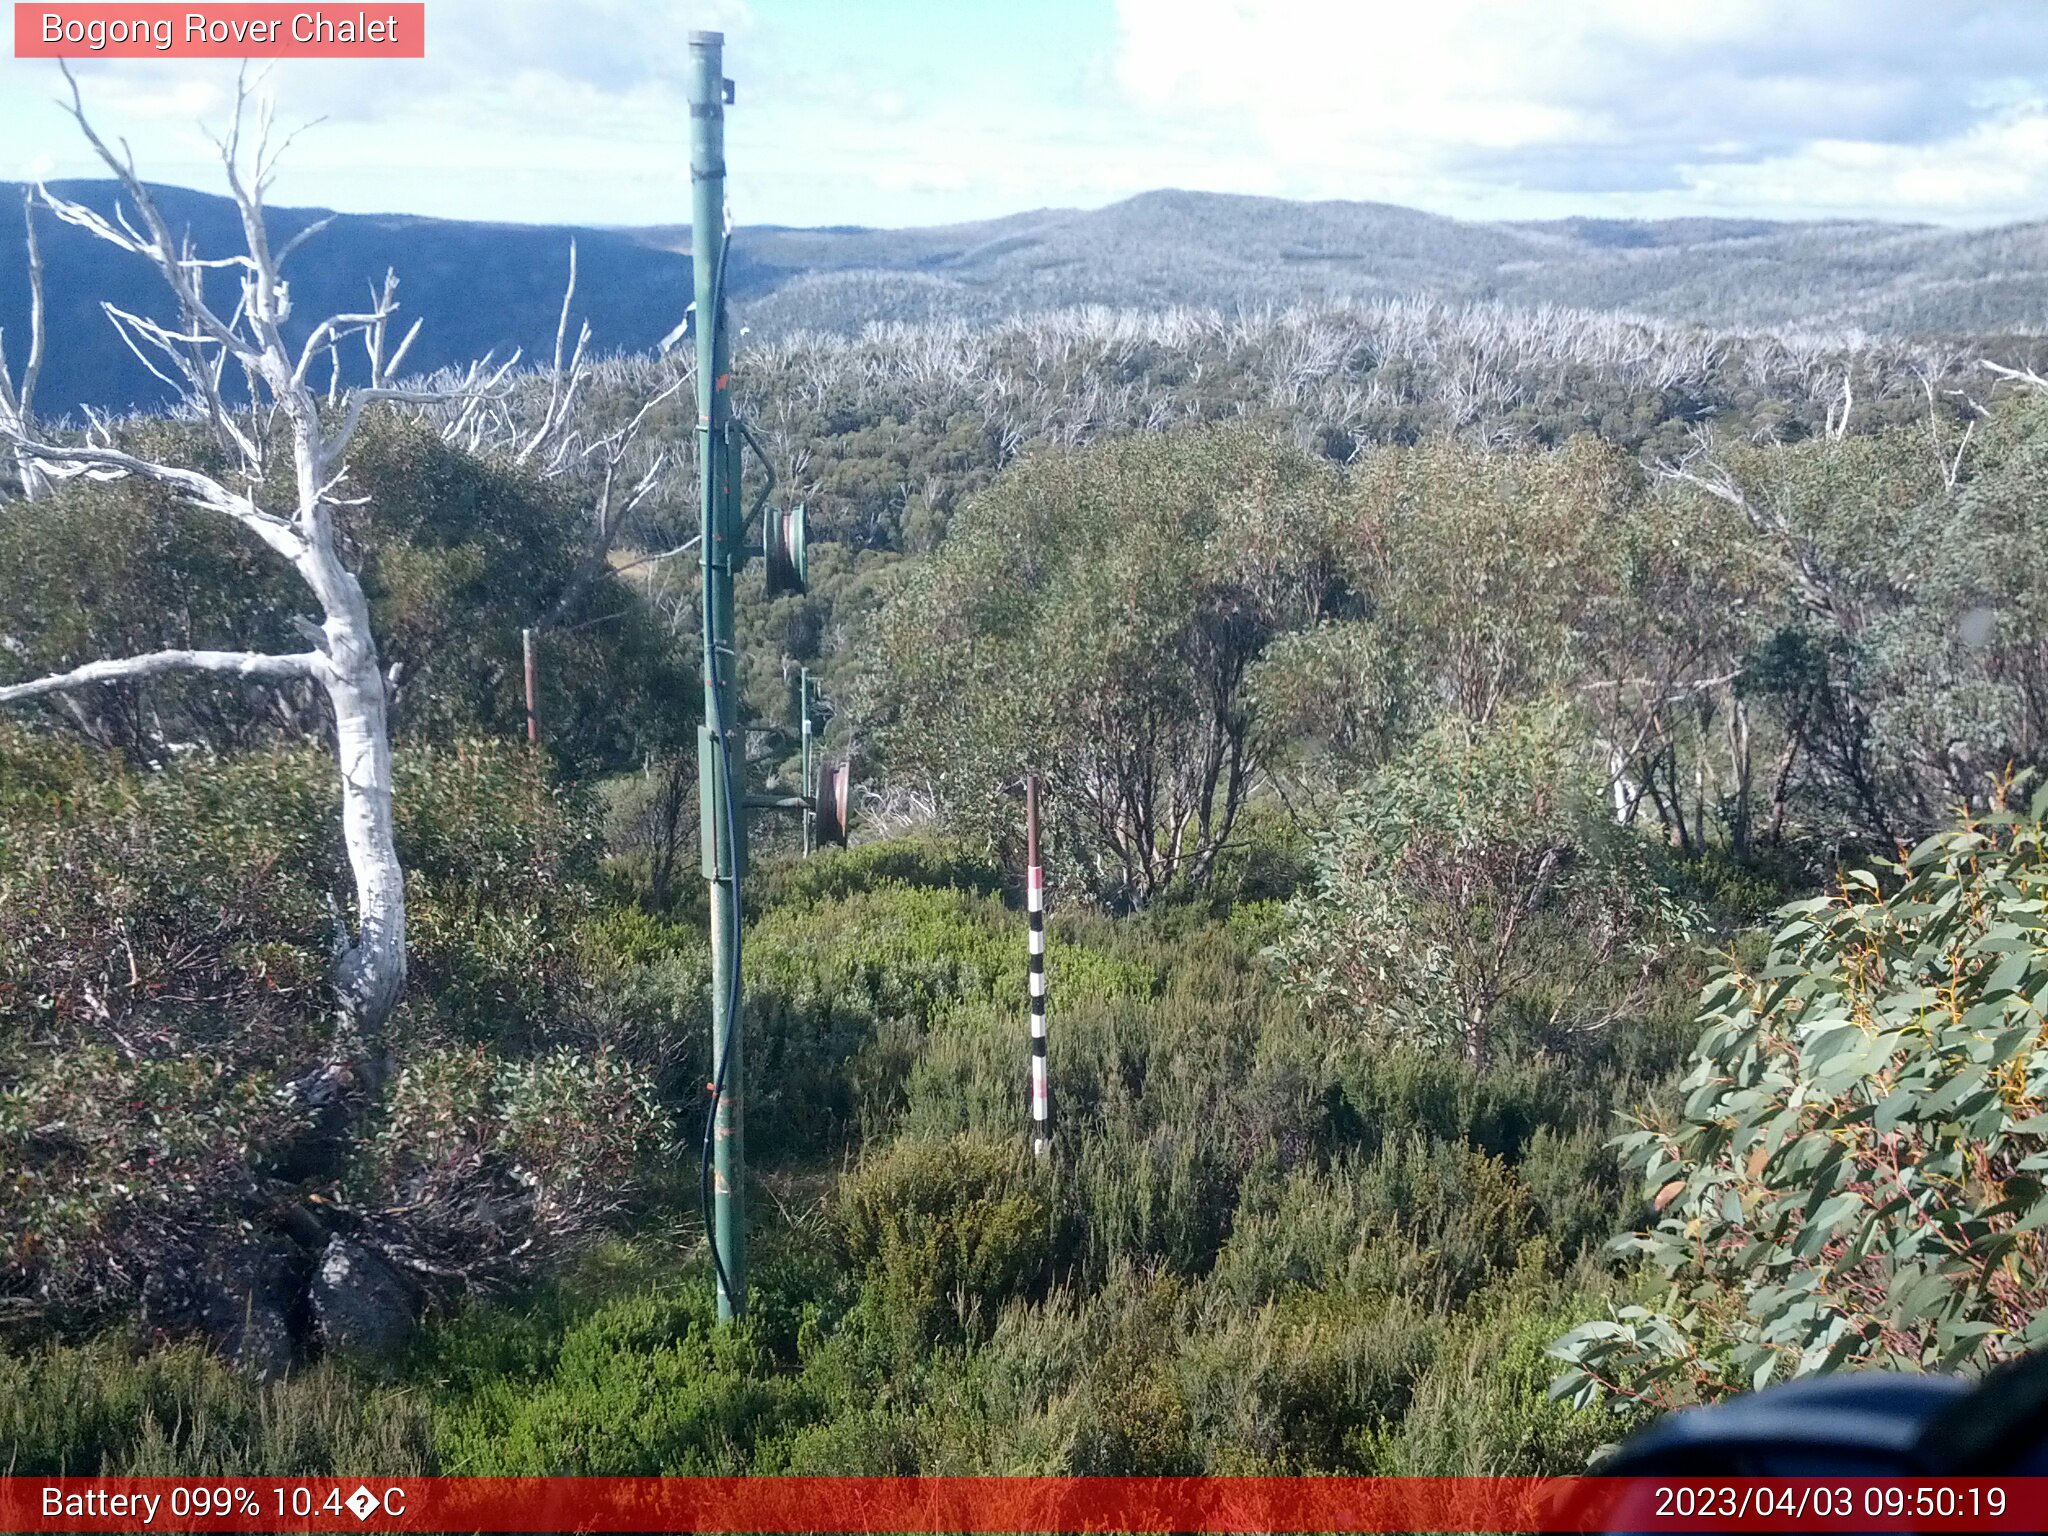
911, 112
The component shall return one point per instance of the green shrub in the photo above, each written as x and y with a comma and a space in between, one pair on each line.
842, 991
945, 1233
654, 979
489, 1159
1436, 1221
1482, 1408
498, 868
1855, 1176
833, 874
161, 971
107, 1408
163, 942
647, 1385
455, 553
1475, 870
1302, 1386
1402, 1090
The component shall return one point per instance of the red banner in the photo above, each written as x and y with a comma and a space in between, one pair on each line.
217, 31
1005, 1504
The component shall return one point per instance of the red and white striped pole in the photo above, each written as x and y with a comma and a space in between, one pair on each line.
1034, 901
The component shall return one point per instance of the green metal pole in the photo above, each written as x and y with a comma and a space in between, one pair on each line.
724, 837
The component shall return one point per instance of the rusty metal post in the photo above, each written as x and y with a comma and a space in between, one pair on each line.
532, 708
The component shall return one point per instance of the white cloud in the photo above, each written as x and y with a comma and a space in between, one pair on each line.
1467, 102
573, 109
1995, 171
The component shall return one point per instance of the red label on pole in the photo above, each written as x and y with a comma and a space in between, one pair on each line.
218, 31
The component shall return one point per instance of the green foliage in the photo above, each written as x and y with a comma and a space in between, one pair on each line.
1480, 1409
1750, 674
926, 862
455, 553
1435, 1221
946, 1232
558, 1139
841, 989
160, 971
163, 974
1898, 698
1333, 702
1282, 706
100, 570
844, 988
888, 951
1092, 617
647, 1385
1486, 569
1465, 872
1256, 1247
1855, 1175
460, 554
108, 1408
655, 977
498, 865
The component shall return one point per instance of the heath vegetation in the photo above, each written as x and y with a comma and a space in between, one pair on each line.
1513, 778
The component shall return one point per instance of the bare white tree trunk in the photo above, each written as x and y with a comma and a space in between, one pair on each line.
17, 400
370, 974
370, 963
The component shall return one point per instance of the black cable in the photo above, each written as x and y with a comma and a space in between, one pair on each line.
732, 845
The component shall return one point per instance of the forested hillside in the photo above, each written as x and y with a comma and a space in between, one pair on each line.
497, 287
1164, 248
1435, 704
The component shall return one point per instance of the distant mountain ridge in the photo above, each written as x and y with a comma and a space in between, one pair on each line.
483, 287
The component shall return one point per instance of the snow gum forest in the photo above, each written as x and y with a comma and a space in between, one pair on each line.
1543, 826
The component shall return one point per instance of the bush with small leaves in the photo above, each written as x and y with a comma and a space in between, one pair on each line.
946, 1233
163, 979
1477, 864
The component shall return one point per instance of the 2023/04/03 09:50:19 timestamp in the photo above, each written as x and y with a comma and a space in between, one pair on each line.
1889, 1499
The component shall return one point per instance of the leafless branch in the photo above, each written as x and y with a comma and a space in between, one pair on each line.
1710, 476
2026, 376
562, 384
32, 370
242, 664
179, 267
667, 554
82, 461
309, 232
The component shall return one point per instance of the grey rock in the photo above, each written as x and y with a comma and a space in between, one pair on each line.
360, 1304
237, 1297
255, 1339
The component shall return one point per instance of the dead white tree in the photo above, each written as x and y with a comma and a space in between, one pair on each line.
615, 502
18, 399
281, 419
553, 439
